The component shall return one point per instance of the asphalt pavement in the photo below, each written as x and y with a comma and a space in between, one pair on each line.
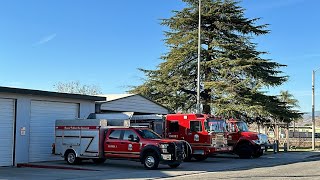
123, 169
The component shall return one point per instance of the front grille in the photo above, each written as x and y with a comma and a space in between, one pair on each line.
219, 140
177, 150
171, 148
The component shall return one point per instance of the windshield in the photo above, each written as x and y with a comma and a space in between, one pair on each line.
215, 125
242, 126
148, 134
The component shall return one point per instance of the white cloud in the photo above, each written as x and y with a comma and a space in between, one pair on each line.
46, 39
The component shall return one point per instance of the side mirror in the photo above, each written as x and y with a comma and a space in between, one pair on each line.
131, 138
137, 139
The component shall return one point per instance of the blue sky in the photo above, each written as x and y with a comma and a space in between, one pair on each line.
43, 42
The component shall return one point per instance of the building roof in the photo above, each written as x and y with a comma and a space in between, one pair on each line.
49, 93
111, 97
131, 102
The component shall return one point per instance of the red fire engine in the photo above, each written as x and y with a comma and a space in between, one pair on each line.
206, 134
246, 143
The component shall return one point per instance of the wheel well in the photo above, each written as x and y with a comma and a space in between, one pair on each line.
146, 151
241, 143
68, 151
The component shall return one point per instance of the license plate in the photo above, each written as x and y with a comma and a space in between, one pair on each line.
166, 156
224, 149
201, 152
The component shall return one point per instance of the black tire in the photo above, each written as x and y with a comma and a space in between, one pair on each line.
257, 154
151, 161
71, 158
200, 157
174, 165
188, 158
244, 151
99, 160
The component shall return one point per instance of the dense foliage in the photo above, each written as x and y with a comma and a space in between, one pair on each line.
233, 72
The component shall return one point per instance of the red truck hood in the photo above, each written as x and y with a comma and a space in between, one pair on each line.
250, 135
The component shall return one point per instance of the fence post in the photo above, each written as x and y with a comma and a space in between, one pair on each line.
275, 148
285, 147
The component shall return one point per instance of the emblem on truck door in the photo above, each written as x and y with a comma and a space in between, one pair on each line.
130, 147
196, 137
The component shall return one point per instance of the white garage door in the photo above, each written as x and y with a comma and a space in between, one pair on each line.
42, 124
6, 131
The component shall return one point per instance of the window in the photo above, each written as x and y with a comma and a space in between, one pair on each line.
115, 134
231, 127
174, 126
242, 126
127, 133
195, 126
148, 134
213, 125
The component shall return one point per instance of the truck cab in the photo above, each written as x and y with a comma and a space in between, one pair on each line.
245, 143
144, 145
206, 134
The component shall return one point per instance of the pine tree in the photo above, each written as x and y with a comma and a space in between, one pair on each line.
233, 71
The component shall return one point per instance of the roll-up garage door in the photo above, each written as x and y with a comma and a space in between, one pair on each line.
42, 125
7, 109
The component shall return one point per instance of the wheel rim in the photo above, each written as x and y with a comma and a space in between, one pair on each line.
149, 161
71, 158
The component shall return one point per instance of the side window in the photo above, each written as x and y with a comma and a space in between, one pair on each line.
195, 126
173, 126
115, 134
127, 133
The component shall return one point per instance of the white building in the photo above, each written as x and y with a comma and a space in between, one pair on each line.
27, 122
139, 109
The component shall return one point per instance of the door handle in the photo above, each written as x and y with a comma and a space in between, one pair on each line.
107, 143
122, 143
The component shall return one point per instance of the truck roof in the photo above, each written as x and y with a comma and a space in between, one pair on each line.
189, 116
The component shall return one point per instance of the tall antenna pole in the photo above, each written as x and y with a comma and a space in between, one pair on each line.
199, 49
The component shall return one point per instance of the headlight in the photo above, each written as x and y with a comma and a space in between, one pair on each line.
213, 141
164, 148
225, 141
257, 141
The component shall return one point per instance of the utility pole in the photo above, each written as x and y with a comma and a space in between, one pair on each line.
313, 118
199, 54
313, 115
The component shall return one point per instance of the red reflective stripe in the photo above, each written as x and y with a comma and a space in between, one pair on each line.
76, 127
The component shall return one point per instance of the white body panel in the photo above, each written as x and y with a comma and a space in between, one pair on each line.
84, 136
7, 109
42, 120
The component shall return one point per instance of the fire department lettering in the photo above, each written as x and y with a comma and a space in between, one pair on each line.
112, 146
173, 136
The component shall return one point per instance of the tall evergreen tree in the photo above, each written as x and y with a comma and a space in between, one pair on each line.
232, 69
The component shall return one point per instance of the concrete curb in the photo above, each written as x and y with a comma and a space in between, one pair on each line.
53, 167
